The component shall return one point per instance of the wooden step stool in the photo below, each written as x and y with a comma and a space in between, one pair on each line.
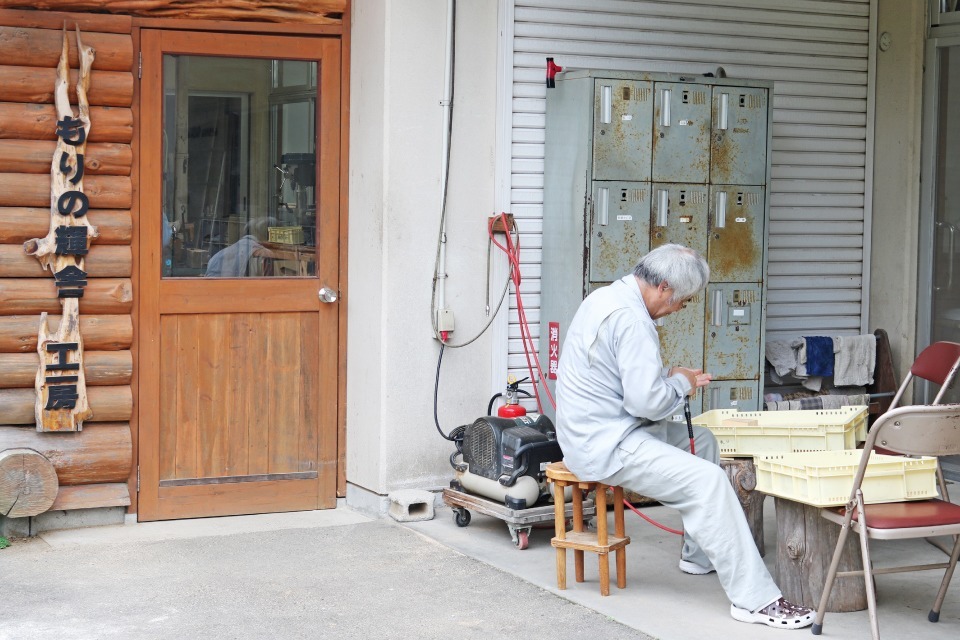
579, 540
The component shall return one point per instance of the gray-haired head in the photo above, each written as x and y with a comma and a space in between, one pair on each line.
682, 268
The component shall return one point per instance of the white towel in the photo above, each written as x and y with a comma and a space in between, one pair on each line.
854, 360
782, 355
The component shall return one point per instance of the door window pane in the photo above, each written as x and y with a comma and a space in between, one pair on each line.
239, 167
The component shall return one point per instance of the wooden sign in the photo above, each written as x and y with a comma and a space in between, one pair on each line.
61, 403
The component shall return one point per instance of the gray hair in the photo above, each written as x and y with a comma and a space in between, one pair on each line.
682, 268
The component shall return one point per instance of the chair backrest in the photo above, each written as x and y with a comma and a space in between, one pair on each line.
918, 430
938, 363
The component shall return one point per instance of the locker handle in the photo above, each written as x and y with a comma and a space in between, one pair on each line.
606, 104
665, 107
720, 220
714, 397
717, 319
603, 204
663, 207
722, 116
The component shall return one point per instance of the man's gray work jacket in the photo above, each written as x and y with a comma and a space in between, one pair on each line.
611, 380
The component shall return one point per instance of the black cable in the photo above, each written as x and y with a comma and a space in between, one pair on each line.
456, 435
490, 404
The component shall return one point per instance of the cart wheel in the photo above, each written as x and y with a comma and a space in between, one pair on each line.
461, 516
523, 540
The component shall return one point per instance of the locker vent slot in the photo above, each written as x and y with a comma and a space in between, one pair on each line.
741, 393
743, 297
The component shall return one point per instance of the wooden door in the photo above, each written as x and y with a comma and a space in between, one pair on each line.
239, 263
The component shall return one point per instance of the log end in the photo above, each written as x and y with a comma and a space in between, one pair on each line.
28, 483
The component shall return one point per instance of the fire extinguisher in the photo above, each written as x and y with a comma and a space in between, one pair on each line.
511, 407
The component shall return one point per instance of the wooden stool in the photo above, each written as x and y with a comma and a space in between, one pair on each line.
579, 540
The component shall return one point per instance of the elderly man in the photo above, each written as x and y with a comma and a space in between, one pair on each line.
613, 399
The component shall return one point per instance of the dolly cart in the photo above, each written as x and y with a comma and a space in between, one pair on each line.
519, 521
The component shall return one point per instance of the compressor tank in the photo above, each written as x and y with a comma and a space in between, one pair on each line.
525, 489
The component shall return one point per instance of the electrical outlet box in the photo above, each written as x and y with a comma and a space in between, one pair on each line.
445, 320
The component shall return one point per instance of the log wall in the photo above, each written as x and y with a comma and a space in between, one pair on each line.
93, 465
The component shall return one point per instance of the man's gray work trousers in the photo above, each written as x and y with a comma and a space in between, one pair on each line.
657, 464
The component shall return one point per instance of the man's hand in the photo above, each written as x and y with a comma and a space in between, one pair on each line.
696, 377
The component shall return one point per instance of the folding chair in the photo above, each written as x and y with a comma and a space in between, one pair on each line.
912, 430
938, 364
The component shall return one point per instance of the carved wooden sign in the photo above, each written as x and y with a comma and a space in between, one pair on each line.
61, 403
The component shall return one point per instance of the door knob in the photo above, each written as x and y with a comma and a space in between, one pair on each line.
327, 295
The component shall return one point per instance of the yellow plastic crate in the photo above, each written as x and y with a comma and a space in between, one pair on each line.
825, 478
748, 433
286, 235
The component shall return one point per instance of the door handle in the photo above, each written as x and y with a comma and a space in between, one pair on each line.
603, 206
665, 108
720, 220
663, 207
723, 111
717, 308
606, 104
327, 295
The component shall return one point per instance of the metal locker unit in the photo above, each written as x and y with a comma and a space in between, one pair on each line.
735, 233
634, 160
681, 133
732, 327
618, 228
621, 130
680, 216
738, 147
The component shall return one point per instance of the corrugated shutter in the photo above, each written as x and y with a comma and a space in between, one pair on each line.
815, 51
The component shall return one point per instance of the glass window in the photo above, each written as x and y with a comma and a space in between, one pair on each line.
946, 237
239, 167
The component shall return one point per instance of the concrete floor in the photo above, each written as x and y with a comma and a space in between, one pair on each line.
663, 602
314, 575
339, 574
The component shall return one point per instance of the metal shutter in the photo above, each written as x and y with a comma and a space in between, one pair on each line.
818, 54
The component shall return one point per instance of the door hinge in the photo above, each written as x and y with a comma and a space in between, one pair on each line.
139, 65
138, 478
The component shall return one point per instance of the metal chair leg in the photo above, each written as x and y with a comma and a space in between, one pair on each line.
868, 568
817, 627
934, 614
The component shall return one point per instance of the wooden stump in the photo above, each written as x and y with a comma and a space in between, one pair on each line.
28, 483
805, 545
743, 476
636, 499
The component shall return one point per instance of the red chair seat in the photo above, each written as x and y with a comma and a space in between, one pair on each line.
920, 513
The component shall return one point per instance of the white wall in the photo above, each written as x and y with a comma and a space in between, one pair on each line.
896, 192
396, 85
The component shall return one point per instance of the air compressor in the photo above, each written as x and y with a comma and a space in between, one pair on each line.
505, 459
500, 468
